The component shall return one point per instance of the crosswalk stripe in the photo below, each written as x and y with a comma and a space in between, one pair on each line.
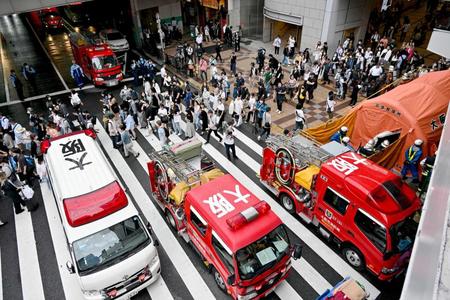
30, 273
174, 138
285, 291
249, 142
159, 290
194, 282
301, 231
72, 289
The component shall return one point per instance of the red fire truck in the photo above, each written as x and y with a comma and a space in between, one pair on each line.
239, 238
98, 61
363, 207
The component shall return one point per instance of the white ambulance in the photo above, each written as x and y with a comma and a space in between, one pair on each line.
111, 248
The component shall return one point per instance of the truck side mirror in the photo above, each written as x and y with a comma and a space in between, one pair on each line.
231, 279
297, 251
156, 243
70, 267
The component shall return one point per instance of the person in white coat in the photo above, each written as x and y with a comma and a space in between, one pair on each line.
277, 44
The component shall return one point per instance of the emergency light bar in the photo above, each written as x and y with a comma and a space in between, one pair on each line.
246, 216
45, 144
93, 206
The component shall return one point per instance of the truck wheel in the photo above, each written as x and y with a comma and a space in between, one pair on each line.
219, 280
354, 257
171, 220
287, 203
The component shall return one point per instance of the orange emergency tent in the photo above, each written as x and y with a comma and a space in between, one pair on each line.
417, 109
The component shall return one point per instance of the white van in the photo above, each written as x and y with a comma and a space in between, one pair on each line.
111, 248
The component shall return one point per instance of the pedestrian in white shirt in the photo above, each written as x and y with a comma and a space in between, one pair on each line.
177, 120
199, 40
238, 107
207, 35
75, 100
213, 121
251, 109
299, 117
4, 121
163, 132
331, 103
163, 71
277, 45
375, 72
229, 143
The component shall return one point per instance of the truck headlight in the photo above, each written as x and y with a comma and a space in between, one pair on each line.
119, 75
94, 293
99, 79
389, 271
248, 296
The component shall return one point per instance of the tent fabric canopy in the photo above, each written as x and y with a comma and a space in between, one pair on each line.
416, 109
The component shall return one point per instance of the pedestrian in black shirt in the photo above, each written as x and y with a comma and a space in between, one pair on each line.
218, 49
233, 63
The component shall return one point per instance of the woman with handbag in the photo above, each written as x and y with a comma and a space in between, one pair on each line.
21, 194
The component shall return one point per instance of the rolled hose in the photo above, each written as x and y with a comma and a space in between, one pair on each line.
286, 154
160, 171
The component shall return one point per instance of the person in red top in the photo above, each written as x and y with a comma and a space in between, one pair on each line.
203, 67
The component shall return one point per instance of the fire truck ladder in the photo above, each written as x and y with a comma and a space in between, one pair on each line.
303, 155
181, 168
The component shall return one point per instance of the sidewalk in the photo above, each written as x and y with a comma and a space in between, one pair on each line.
315, 111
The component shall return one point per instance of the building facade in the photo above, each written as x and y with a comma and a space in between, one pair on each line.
310, 21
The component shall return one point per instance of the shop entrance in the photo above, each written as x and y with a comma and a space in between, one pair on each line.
284, 30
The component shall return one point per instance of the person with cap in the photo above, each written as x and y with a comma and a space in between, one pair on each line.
412, 156
339, 135
368, 149
427, 165
346, 143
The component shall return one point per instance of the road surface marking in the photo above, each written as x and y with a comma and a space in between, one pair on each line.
5, 77
159, 290
185, 268
72, 289
30, 273
48, 55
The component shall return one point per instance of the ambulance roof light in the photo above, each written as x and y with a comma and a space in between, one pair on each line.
93, 206
45, 144
246, 216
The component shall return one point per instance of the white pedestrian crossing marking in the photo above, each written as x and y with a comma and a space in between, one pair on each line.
185, 268
30, 273
71, 287
159, 290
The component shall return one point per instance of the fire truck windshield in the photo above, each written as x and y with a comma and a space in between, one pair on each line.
110, 245
403, 234
104, 62
262, 254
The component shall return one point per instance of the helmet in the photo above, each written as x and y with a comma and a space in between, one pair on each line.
418, 142
370, 144
385, 144
344, 129
346, 139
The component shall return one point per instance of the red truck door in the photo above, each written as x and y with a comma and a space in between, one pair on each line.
198, 231
333, 212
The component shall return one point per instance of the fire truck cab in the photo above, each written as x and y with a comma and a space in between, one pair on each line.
111, 250
363, 207
240, 239
98, 61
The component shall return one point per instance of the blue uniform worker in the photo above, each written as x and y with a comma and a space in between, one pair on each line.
412, 157
77, 74
338, 136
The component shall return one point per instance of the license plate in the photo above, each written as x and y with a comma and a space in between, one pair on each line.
112, 82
